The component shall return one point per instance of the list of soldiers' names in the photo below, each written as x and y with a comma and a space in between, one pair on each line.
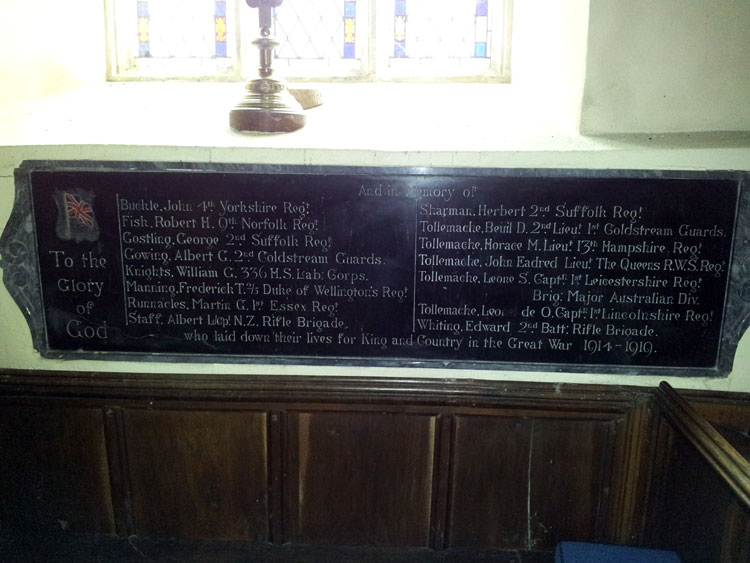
406, 269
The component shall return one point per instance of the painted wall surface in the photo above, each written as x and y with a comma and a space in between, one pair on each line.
548, 57
49, 47
667, 66
529, 124
15, 340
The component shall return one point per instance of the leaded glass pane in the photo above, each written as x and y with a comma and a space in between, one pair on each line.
424, 29
317, 29
321, 38
370, 39
182, 28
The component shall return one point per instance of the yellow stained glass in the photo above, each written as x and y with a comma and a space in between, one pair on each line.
221, 29
142, 30
349, 30
399, 32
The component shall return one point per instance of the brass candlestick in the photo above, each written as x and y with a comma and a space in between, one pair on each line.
267, 105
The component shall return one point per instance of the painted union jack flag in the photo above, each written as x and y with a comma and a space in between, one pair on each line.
79, 210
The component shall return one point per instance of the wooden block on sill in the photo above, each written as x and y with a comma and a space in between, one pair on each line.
307, 97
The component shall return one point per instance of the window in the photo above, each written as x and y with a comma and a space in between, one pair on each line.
173, 39
318, 39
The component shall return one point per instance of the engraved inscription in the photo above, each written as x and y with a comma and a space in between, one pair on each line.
540, 270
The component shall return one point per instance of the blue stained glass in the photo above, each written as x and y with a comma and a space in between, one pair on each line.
221, 9
399, 30
350, 9
143, 49
481, 8
349, 51
142, 9
221, 49
480, 49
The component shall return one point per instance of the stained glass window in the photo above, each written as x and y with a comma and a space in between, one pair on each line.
454, 39
481, 29
319, 37
381, 39
220, 28
350, 26
144, 35
182, 28
399, 29
173, 38
315, 30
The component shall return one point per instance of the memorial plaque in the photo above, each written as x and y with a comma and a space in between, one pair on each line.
624, 272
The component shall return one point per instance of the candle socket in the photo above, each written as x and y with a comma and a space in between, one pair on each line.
267, 105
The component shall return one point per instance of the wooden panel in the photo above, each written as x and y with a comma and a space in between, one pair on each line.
735, 541
358, 478
695, 504
119, 473
198, 474
490, 482
441, 471
663, 437
731, 419
569, 469
277, 449
639, 450
138, 549
54, 470
734, 414
705, 507
294, 389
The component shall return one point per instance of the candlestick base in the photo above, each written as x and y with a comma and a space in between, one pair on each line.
268, 107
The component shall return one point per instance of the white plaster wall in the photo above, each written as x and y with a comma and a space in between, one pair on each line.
667, 66
531, 124
548, 57
48, 47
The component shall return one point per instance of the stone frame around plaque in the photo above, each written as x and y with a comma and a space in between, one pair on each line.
21, 271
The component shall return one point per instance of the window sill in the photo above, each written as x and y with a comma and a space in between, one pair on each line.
461, 125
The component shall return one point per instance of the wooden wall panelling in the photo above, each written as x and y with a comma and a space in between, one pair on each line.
277, 476
54, 471
714, 448
730, 415
735, 540
442, 475
721, 408
705, 503
657, 480
694, 507
119, 471
569, 480
637, 453
346, 461
360, 478
279, 390
528, 480
490, 491
198, 474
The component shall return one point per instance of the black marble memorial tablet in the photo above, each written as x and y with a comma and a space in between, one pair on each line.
622, 271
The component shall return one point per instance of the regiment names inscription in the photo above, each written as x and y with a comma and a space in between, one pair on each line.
431, 267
